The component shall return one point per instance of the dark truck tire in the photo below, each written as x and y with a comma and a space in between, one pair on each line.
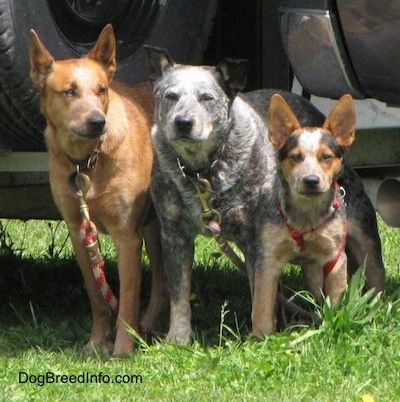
68, 28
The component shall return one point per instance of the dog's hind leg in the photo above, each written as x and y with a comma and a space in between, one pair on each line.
159, 285
100, 331
363, 241
363, 245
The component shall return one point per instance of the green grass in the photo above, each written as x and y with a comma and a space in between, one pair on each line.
45, 320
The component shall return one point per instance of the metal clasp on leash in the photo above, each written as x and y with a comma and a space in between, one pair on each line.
203, 193
80, 184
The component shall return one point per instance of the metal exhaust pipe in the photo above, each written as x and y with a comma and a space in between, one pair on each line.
388, 201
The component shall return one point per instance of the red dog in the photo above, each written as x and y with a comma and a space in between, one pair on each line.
86, 113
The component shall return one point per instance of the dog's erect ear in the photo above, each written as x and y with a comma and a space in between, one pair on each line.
40, 58
159, 61
341, 121
281, 121
234, 74
104, 51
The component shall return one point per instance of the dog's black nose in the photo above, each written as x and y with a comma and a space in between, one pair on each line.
184, 123
96, 124
311, 180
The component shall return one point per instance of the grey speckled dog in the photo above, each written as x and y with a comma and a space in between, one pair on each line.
214, 162
203, 131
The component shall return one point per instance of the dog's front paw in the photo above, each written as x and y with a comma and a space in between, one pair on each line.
101, 346
181, 336
263, 329
124, 343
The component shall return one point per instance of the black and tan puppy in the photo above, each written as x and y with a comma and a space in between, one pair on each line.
295, 112
317, 228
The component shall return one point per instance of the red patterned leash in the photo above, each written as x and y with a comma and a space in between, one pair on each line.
80, 182
90, 240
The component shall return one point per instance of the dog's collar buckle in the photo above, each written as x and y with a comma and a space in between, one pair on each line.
341, 194
92, 160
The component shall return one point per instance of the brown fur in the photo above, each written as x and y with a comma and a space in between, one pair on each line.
75, 92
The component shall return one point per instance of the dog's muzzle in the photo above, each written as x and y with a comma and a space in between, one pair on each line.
91, 127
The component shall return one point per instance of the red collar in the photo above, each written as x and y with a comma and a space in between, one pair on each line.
298, 236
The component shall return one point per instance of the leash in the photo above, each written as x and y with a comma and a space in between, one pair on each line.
80, 183
211, 219
224, 246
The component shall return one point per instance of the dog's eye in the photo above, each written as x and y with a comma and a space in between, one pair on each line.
103, 91
173, 96
206, 97
70, 92
296, 157
326, 158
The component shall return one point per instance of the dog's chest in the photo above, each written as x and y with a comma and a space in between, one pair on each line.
311, 247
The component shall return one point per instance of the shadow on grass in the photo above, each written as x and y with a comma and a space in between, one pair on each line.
43, 304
